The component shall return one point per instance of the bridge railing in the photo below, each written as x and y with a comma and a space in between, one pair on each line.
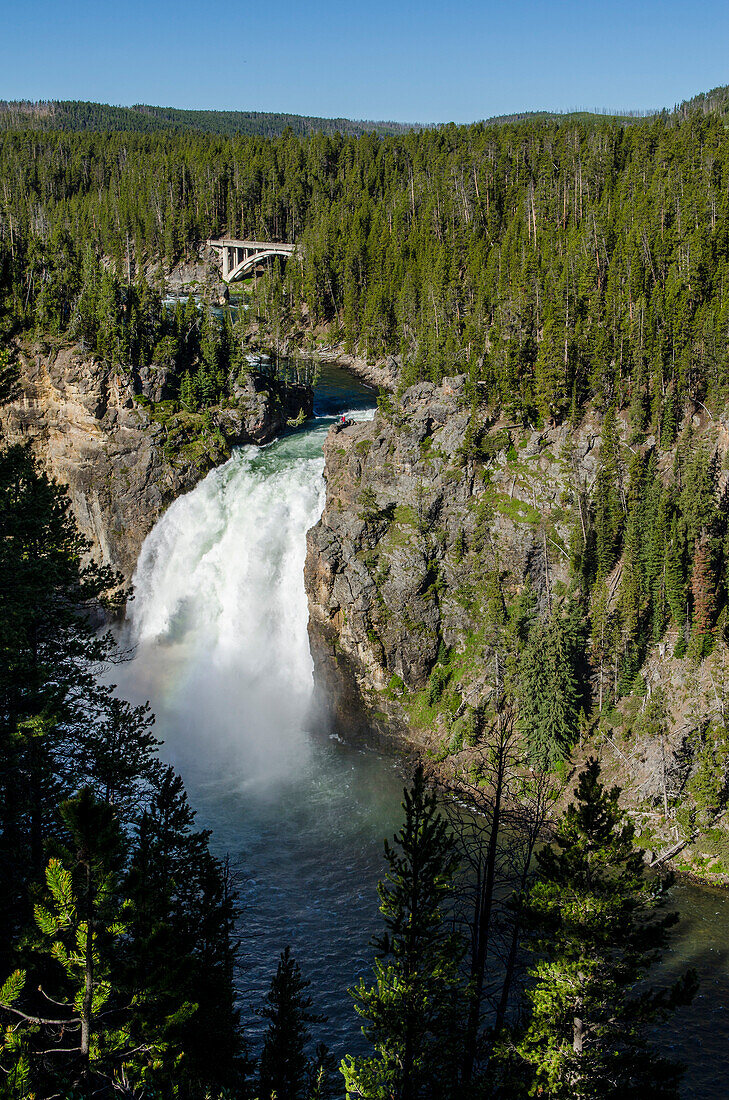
238, 257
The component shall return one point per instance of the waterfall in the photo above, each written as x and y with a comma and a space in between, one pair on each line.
219, 613
217, 631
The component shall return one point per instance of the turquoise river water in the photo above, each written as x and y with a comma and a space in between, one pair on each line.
221, 651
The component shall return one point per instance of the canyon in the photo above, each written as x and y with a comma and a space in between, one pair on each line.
428, 506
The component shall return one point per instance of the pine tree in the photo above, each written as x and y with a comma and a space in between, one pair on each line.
324, 1077
594, 921
188, 396
285, 1071
178, 961
413, 1012
209, 380
78, 925
669, 420
548, 687
552, 369
48, 650
608, 502
676, 573
655, 539
115, 755
704, 598
109, 339
601, 623
632, 581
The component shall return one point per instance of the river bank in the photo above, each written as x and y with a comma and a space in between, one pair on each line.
381, 374
219, 626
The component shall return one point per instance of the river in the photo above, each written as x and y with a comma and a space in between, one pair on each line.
221, 651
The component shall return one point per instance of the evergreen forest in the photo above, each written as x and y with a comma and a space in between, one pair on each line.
566, 267
71, 115
555, 262
569, 267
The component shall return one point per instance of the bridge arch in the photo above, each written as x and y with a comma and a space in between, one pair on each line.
240, 257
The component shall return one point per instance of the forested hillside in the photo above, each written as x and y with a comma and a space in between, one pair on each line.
575, 274
560, 266
73, 117
714, 102
555, 263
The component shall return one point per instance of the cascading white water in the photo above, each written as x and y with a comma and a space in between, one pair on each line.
219, 615
218, 635
220, 604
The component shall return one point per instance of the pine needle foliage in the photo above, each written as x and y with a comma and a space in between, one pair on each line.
286, 1072
413, 1011
596, 926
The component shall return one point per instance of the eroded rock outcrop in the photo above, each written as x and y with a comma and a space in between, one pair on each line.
120, 465
438, 521
413, 509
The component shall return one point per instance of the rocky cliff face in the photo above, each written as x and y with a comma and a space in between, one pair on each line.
409, 516
200, 274
85, 422
433, 517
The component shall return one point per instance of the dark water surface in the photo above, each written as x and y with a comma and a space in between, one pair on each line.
219, 621
698, 1035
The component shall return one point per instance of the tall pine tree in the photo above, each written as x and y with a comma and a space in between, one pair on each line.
595, 924
414, 1012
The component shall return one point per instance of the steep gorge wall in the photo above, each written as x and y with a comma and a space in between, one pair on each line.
389, 572
423, 534
85, 422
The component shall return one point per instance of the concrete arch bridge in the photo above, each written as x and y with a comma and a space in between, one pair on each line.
241, 257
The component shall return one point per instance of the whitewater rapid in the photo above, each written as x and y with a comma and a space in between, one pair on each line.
219, 597
219, 616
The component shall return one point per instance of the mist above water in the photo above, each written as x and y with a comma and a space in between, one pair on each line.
219, 628
219, 625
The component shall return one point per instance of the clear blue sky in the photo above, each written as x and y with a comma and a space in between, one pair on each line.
431, 62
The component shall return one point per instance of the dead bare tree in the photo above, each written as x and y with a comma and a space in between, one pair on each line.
506, 808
